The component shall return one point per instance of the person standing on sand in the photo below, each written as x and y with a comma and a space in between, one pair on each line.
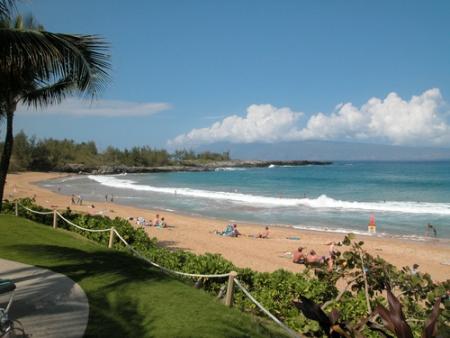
112, 198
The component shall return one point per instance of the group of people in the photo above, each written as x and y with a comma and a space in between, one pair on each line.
158, 222
231, 230
301, 256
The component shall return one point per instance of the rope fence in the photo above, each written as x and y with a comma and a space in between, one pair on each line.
37, 212
231, 275
291, 332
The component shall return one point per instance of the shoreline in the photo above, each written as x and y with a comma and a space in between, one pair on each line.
193, 233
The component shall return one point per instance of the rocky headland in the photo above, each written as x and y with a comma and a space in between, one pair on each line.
192, 166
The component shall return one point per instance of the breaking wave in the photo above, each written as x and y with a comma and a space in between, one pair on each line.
323, 201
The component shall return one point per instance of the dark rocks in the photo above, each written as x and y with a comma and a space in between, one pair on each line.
191, 166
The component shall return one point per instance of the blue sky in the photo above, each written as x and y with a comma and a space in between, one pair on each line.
193, 72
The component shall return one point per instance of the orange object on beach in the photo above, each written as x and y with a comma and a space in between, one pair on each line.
372, 226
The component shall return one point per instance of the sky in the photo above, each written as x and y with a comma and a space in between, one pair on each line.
190, 73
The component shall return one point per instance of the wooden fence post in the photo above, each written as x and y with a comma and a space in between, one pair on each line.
17, 208
111, 238
55, 219
230, 289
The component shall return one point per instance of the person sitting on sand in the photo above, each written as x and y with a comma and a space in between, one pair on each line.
156, 221
298, 256
236, 232
230, 231
162, 223
314, 258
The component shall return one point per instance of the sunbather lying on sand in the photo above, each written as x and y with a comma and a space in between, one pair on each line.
264, 234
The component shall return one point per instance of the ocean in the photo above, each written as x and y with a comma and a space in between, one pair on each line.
402, 196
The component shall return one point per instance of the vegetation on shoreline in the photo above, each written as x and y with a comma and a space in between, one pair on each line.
366, 278
50, 154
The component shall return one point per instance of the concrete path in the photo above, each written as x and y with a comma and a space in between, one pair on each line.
48, 304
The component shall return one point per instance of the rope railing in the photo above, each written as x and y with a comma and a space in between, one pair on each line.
185, 274
231, 275
37, 212
291, 332
80, 227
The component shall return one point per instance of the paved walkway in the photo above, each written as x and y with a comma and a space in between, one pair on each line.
48, 304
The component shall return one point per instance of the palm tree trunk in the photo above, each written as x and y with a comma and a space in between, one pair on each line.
7, 147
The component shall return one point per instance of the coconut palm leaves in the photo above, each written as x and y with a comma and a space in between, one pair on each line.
5, 7
39, 68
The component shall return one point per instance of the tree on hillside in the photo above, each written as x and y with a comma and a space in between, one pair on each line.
40, 68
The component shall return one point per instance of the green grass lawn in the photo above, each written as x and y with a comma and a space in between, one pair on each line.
127, 298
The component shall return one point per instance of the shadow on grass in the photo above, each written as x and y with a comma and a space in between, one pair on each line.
102, 274
124, 296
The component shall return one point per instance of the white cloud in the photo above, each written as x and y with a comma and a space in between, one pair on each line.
263, 123
423, 120
104, 108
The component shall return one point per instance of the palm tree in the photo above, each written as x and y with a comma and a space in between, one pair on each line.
5, 7
40, 68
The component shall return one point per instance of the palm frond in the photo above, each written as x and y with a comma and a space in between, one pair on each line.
47, 94
6, 7
47, 55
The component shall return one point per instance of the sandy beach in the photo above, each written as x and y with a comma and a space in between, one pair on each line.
195, 234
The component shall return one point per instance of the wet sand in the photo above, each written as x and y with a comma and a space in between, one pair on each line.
195, 234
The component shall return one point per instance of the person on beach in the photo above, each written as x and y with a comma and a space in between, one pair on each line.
264, 234
314, 258
298, 256
106, 198
112, 198
236, 232
230, 231
430, 229
162, 223
156, 221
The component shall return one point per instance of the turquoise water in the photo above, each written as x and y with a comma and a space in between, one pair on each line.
403, 196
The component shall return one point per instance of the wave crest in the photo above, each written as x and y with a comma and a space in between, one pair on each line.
321, 202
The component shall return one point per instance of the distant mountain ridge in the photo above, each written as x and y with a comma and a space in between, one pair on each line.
327, 151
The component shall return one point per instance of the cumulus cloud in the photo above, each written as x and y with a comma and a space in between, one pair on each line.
103, 108
263, 123
423, 120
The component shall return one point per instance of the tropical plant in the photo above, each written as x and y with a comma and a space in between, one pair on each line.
40, 68
5, 7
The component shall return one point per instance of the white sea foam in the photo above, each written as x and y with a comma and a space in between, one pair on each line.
321, 202
229, 169
362, 232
